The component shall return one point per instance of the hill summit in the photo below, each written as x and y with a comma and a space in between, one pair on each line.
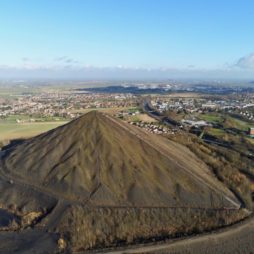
99, 159
98, 181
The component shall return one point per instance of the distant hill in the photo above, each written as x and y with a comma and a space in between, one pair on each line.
97, 181
125, 89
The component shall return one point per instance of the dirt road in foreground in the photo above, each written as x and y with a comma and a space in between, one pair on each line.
237, 239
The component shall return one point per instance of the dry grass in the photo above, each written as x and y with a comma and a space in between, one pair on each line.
142, 117
92, 228
228, 166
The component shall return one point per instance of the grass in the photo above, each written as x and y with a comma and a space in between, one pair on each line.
133, 110
106, 227
14, 118
211, 118
236, 123
216, 132
228, 121
251, 140
12, 130
228, 165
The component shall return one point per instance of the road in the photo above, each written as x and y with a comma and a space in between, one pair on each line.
156, 115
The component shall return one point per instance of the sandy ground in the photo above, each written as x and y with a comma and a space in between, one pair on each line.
29, 241
146, 118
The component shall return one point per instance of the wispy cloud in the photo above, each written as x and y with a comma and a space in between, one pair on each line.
25, 59
246, 62
66, 59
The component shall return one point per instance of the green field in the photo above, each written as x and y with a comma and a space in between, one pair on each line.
228, 121
12, 130
27, 118
211, 118
237, 123
216, 132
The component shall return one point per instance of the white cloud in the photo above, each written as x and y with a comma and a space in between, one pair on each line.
246, 62
69, 68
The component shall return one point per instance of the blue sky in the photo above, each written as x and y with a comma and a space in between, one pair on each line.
127, 38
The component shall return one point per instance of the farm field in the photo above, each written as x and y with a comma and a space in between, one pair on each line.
12, 130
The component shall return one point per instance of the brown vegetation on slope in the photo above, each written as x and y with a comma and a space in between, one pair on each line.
230, 167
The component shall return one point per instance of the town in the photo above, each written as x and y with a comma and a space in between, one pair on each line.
61, 105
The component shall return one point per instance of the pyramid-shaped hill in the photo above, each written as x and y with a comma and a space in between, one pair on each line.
101, 161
